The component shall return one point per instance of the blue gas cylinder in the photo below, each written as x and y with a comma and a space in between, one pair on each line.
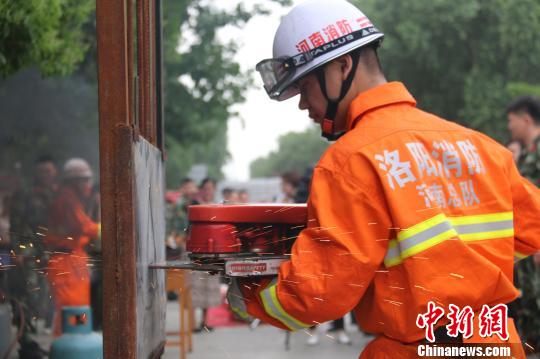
77, 340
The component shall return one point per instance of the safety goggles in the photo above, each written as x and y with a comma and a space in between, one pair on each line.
277, 73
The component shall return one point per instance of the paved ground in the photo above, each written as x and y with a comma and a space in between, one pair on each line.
264, 342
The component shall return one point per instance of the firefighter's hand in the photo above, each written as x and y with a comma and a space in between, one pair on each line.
237, 302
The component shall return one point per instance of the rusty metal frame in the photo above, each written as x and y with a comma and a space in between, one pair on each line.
128, 106
160, 104
146, 69
115, 61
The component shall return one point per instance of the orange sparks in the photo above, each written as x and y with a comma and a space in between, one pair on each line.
394, 302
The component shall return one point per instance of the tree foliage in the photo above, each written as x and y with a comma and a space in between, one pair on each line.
47, 34
458, 57
516, 89
296, 151
198, 105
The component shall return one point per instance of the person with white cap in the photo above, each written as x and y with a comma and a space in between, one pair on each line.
409, 215
70, 229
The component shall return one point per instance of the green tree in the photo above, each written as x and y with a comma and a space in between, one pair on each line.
296, 151
516, 89
458, 57
198, 106
47, 34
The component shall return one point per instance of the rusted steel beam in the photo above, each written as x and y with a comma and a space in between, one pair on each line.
160, 104
115, 59
146, 69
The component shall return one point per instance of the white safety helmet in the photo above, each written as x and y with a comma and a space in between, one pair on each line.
76, 168
309, 36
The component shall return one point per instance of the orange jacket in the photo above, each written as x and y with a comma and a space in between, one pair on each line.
70, 229
69, 226
405, 208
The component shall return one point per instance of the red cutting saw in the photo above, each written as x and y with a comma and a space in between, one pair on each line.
241, 240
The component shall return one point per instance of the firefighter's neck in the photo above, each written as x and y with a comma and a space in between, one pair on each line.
366, 78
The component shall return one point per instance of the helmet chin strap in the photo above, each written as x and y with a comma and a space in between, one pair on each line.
328, 124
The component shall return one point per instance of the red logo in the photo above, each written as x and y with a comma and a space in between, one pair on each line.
491, 321
429, 319
494, 321
461, 321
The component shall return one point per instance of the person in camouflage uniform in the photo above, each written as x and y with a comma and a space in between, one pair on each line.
178, 222
28, 222
524, 125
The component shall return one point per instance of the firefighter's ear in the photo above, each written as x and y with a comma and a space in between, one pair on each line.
345, 64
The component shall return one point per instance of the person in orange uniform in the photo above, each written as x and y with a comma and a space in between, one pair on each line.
70, 230
405, 208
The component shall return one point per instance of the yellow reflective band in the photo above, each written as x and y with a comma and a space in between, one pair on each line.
440, 228
519, 255
482, 218
484, 226
420, 227
451, 233
505, 233
273, 307
393, 255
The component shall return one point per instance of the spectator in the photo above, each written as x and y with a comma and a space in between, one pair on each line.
207, 191
28, 222
205, 288
516, 148
524, 125
70, 230
230, 195
188, 197
289, 186
178, 223
243, 196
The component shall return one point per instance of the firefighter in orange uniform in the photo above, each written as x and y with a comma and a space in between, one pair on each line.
70, 230
405, 208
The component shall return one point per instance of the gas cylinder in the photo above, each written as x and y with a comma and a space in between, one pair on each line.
77, 339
